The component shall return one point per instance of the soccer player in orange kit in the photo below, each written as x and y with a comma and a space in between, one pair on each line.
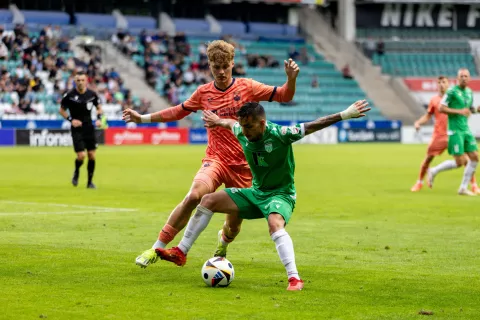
225, 161
439, 142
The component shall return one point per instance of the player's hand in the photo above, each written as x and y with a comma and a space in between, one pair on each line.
291, 69
417, 125
466, 112
98, 123
356, 110
210, 118
130, 115
76, 123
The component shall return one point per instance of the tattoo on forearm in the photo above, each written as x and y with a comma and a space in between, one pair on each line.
322, 122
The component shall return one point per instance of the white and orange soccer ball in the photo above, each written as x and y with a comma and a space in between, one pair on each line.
217, 272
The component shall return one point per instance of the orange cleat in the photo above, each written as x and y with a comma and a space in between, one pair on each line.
295, 284
174, 255
475, 189
417, 187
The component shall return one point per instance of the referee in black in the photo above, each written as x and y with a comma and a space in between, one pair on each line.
80, 102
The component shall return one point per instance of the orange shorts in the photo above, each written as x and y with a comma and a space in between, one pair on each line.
214, 174
437, 146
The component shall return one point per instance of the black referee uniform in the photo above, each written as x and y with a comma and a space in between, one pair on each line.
80, 107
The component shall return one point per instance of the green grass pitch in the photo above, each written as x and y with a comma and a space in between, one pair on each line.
366, 246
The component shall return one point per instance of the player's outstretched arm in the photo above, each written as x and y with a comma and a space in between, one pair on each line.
422, 120
212, 121
285, 93
165, 115
463, 112
291, 70
356, 110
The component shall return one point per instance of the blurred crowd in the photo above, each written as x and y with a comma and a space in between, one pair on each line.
37, 68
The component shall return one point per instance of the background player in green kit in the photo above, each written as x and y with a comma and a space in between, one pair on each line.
268, 150
457, 103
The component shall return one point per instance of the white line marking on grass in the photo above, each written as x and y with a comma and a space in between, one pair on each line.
108, 209
52, 212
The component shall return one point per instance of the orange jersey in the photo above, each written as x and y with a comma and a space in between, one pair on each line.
222, 144
441, 119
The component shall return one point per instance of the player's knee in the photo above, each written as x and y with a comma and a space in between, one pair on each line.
208, 201
91, 156
461, 161
81, 156
193, 198
275, 222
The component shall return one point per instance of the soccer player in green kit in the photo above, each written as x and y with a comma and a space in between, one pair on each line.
268, 150
457, 103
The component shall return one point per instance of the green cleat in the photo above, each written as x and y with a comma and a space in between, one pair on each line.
221, 249
147, 257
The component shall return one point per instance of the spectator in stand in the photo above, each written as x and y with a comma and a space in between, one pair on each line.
41, 74
293, 53
346, 72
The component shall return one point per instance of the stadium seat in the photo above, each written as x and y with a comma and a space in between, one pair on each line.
46, 17
194, 25
96, 20
5, 16
421, 52
232, 27
137, 22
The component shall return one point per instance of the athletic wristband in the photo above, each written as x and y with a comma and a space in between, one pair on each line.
349, 113
99, 117
69, 118
146, 118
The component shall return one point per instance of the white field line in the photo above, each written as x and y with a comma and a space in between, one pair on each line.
52, 212
107, 209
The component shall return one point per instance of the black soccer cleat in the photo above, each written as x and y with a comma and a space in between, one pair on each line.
75, 178
91, 186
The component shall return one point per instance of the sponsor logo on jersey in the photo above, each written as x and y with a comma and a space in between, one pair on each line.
213, 101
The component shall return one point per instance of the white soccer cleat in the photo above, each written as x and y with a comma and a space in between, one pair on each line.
466, 192
430, 177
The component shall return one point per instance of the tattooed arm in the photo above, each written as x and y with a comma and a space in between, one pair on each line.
356, 110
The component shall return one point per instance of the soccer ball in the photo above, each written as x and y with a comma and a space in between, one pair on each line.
217, 272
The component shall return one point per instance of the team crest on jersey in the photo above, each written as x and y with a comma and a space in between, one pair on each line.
268, 146
89, 105
284, 130
236, 96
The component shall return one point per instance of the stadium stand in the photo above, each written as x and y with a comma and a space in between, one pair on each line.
422, 53
175, 67
39, 67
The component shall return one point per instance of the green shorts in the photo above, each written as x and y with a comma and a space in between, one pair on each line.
461, 142
254, 205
